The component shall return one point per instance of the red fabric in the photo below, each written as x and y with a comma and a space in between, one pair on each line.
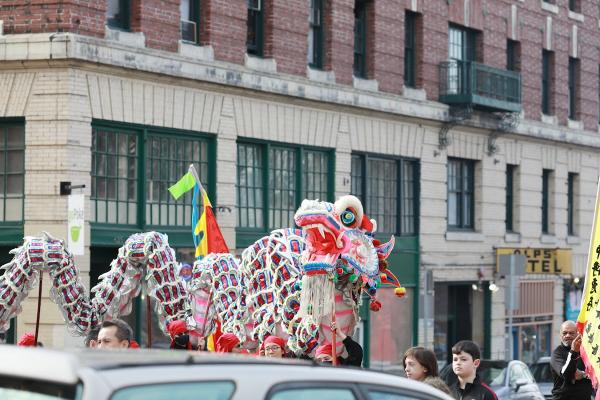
227, 342
324, 349
216, 242
177, 327
274, 339
27, 340
366, 224
134, 345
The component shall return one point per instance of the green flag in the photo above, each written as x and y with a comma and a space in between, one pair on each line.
186, 183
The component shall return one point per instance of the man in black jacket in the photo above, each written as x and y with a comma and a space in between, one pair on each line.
570, 380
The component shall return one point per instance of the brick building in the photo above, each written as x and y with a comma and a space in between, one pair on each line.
468, 128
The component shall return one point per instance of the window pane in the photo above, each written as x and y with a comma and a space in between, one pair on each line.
208, 391
282, 187
357, 177
409, 201
382, 194
250, 186
312, 394
12, 167
315, 175
378, 395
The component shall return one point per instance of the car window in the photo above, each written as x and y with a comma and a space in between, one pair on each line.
313, 394
542, 373
377, 395
24, 395
30, 389
180, 390
493, 376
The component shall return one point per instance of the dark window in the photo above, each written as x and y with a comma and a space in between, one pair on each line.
360, 38
575, 5
12, 172
118, 14
546, 176
410, 48
254, 38
273, 179
461, 198
513, 55
315, 34
573, 87
550, 1
190, 20
389, 190
510, 200
572, 182
126, 193
547, 79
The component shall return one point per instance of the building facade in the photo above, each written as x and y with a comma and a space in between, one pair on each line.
469, 129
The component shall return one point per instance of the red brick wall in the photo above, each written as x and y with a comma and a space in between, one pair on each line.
159, 21
86, 17
339, 39
226, 28
386, 48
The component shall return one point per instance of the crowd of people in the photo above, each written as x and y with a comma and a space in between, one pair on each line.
420, 364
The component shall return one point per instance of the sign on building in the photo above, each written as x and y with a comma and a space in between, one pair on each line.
76, 224
540, 260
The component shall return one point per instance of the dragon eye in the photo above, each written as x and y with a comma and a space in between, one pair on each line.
348, 218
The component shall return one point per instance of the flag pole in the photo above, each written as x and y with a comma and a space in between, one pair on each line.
39, 306
334, 360
192, 169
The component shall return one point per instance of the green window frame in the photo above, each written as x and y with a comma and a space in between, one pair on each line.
513, 55
12, 180
571, 186
118, 14
315, 34
132, 168
273, 179
546, 176
510, 200
389, 190
190, 20
461, 194
547, 78
360, 38
410, 49
573, 82
255, 31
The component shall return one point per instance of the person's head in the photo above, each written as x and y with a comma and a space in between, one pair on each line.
228, 343
180, 337
274, 347
568, 333
466, 357
91, 339
323, 354
419, 363
114, 334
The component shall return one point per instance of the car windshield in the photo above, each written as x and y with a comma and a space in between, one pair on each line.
30, 389
493, 373
541, 372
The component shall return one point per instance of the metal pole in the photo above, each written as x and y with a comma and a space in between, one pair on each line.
426, 311
39, 306
511, 288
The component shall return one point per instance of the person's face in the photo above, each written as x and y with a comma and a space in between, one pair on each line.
273, 350
414, 370
463, 364
93, 344
568, 333
324, 359
107, 339
238, 349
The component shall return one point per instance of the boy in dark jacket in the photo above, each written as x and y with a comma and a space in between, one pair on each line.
466, 357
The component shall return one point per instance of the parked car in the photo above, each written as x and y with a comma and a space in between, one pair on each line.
542, 372
510, 380
37, 374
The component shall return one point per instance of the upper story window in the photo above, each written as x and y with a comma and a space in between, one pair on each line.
190, 20
510, 196
574, 67
547, 82
118, 14
573, 180
546, 200
315, 34
461, 194
389, 190
513, 55
461, 50
412, 25
360, 38
255, 33
12, 172
575, 6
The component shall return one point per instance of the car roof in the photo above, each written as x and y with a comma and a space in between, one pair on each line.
542, 360
123, 368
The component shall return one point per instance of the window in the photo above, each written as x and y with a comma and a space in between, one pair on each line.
179, 390
12, 173
573, 87
571, 188
513, 55
461, 199
190, 20
130, 179
315, 34
546, 176
360, 38
510, 201
254, 38
310, 393
410, 48
547, 81
118, 14
461, 51
389, 191
575, 6
599, 90
273, 180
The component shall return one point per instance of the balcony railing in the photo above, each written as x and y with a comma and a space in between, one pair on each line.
484, 87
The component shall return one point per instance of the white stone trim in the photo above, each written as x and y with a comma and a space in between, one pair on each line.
1, 27
191, 50
549, 119
365, 84
414, 93
576, 16
548, 239
457, 236
133, 39
512, 237
574, 124
260, 64
573, 240
320, 75
553, 8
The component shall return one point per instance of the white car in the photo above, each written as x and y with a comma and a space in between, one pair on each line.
36, 374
